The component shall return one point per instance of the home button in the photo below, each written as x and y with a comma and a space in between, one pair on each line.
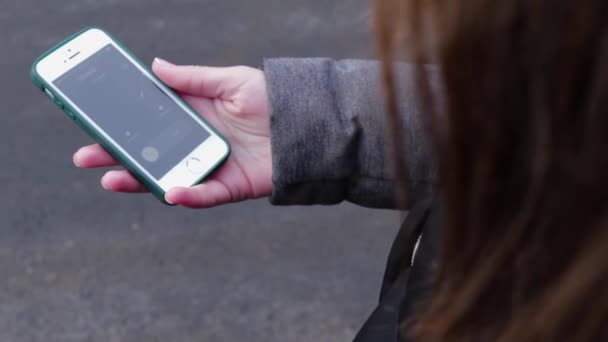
195, 165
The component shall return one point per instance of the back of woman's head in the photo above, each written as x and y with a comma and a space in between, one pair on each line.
522, 142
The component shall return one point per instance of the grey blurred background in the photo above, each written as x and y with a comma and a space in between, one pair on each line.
80, 264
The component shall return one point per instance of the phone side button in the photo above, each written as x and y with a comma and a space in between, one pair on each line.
70, 113
59, 104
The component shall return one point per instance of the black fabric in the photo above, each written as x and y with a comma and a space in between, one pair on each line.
407, 277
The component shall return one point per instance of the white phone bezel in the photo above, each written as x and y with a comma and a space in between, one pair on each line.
206, 156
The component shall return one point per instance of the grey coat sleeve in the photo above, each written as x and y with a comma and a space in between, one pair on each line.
328, 133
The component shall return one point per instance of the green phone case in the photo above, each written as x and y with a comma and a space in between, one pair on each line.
150, 184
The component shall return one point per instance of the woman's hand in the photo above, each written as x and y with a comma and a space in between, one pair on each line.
235, 101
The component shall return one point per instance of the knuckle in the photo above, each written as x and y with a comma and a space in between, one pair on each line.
242, 69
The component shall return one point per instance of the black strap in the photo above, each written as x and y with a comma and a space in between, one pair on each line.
402, 251
383, 324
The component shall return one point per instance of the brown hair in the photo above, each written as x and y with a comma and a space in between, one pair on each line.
522, 144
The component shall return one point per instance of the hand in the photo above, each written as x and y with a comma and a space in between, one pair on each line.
235, 101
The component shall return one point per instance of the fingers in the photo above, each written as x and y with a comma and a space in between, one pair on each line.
209, 194
121, 181
93, 156
200, 81
118, 181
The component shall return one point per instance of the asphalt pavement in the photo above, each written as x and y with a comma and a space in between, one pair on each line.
81, 264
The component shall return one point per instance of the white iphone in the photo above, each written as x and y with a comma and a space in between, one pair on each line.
118, 101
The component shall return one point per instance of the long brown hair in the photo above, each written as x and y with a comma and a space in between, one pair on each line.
521, 138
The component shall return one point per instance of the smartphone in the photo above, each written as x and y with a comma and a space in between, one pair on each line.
122, 105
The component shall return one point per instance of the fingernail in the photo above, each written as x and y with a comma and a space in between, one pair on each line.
104, 179
75, 157
103, 183
161, 61
167, 195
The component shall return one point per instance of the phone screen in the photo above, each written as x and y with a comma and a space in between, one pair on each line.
132, 110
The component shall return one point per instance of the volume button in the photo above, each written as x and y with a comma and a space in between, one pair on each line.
48, 92
69, 113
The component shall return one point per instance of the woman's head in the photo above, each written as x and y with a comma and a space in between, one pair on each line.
522, 143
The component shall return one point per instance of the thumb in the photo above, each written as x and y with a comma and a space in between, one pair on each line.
196, 80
